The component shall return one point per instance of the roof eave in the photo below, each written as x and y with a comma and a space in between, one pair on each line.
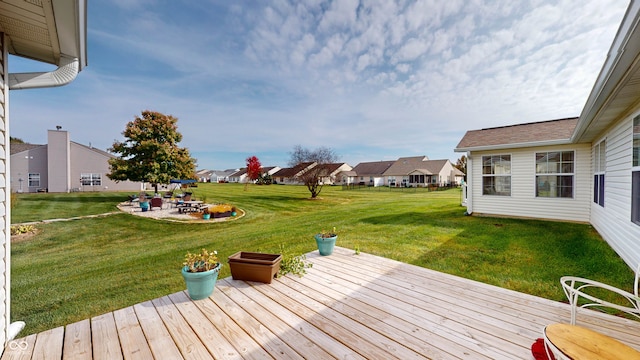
514, 145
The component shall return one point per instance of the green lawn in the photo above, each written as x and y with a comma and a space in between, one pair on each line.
73, 270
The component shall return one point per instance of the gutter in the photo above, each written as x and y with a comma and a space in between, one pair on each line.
63, 75
514, 145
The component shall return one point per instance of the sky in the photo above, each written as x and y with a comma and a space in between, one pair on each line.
372, 80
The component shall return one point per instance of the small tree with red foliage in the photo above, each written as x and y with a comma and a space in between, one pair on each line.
254, 169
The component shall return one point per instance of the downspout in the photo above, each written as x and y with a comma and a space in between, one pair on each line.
64, 74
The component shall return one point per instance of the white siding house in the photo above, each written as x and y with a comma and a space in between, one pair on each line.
522, 200
592, 162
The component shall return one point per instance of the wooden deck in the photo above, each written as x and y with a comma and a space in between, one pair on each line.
347, 307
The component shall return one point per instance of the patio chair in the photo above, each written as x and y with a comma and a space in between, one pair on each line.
156, 202
576, 288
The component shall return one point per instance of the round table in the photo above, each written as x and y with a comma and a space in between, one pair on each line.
575, 342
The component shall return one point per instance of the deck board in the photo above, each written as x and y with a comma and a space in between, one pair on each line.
347, 307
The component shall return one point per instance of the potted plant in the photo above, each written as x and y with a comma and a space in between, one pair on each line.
254, 266
206, 214
200, 272
326, 240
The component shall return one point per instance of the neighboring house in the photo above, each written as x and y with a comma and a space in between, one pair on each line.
51, 32
217, 176
290, 175
329, 174
371, 173
421, 172
238, 176
346, 177
270, 170
583, 169
63, 166
204, 175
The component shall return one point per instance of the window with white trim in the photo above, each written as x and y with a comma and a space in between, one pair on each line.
496, 175
34, 180
600, 162
554, 174
91, 179
635, 173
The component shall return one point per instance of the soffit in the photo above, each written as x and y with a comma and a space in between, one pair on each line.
43, 30
31, 28
621, 103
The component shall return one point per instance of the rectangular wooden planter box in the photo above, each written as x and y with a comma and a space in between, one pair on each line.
252, 266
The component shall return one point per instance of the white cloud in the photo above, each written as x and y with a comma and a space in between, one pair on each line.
404, 77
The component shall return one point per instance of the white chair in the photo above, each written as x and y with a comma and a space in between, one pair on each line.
576, 288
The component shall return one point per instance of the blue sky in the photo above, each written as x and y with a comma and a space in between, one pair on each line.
373, 80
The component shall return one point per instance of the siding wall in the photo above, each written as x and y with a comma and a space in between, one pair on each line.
613, 221
84, 160
523, 202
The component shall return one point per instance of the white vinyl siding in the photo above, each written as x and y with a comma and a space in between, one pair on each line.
613, 221
523, 201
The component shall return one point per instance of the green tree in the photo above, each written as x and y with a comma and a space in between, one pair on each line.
315, 161
150, 152
461, 165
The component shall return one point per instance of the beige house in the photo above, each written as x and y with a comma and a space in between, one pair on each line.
63, 166
583, 169
419, 171
52, 32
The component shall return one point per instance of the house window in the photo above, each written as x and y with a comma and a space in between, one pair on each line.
598, 175
554, 174
496, 175
416, 179
34, 180
88, 179
635, 174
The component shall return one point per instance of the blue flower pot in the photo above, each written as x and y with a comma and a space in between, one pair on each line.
325, 245
200, 285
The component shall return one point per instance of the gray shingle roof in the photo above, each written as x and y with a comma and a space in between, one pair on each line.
372, 168
405, 165
20, 147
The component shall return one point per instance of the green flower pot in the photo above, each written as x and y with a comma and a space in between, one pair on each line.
325, 245
200, 285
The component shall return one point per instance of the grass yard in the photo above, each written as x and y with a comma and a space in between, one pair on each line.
74, 270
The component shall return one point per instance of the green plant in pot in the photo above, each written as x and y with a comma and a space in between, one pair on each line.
200, 273
326, 240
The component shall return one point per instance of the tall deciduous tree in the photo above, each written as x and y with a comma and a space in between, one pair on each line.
150, 152
318, 158
254, 169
